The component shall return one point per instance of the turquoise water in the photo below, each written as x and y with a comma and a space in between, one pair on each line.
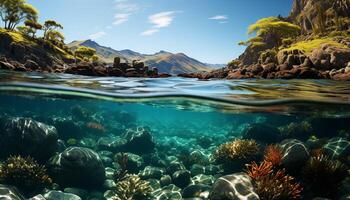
171, 132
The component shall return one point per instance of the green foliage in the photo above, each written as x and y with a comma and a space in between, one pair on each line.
50, 25
95, 58
273, 27
55, 36
254, 42
287, 41
33, 26
25, 30
13, 12
24, 173
84, 52
309, 45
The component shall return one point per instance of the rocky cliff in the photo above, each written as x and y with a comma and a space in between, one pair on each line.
311, 13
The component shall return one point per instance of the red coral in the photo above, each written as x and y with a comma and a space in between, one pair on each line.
271, 185
273, 154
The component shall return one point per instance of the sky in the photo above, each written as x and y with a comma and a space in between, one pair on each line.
207, 30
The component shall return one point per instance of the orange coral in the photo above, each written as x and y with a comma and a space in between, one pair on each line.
272, 185
273, 154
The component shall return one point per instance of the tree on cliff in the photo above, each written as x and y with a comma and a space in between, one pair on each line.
85, 53
273, 28
50, 25
13, 12
33, 26
55, 36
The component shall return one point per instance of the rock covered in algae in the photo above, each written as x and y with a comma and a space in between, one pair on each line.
27, 137
77, 167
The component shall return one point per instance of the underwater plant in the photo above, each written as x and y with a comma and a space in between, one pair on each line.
236, 150
296, 130
132, 188
273, 185
324, 175
273, 154
24, 173
123, 164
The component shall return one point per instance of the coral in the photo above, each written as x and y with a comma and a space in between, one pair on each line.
273, 185
299, 130
132, 188
273, 154
236, 150
324, 175
25, 173
123, 163
256, 171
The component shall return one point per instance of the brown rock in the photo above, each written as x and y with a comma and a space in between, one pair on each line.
6, 65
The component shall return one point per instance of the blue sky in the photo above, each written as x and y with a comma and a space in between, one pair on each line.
207, 30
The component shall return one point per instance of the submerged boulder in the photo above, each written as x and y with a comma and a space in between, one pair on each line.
77, 167
58, 195
262, 133
234, 187
295, 154
27, 137
10, 193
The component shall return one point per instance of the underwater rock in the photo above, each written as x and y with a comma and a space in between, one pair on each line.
77, 191
151, 172
109, 184
58, 195
170, 192
193, 191
181, 178
154, 184
203, 179
237, 186
37, 197
198, 157
207, 170
111, 144
77, 167
174, 166
67, 127
262, 133
24, 136
337, 148
10, 193
165, 180
139, 142
134, 163
295, 154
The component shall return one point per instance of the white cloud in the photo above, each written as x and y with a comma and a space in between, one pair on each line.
149, 32
120, 18
219, 17
162, 19
124, 10
97, 35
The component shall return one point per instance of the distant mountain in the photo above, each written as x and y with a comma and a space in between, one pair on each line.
166, 62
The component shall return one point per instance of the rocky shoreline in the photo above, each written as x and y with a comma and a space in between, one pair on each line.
324, 63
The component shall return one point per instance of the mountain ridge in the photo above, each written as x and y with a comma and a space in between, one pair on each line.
166, 62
